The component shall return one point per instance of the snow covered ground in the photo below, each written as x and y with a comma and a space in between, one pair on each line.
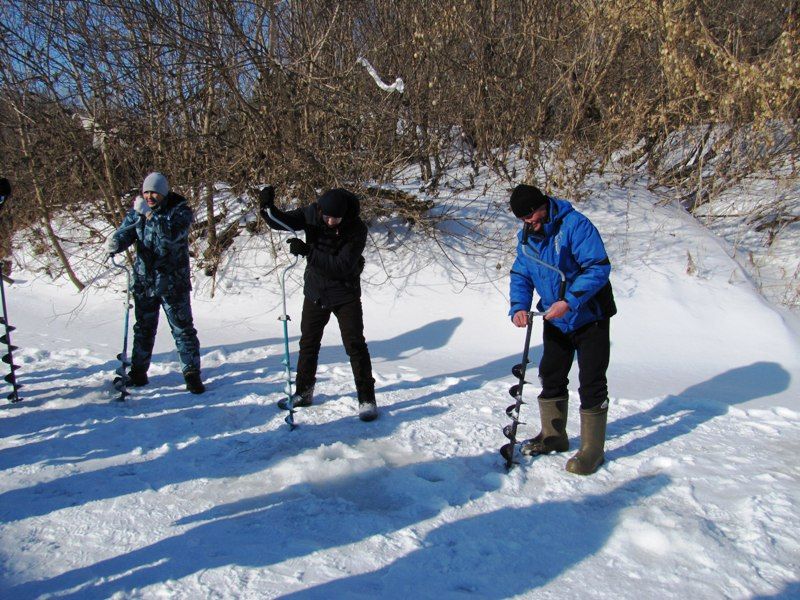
170, 495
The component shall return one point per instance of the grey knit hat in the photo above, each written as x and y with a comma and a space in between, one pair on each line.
156, 182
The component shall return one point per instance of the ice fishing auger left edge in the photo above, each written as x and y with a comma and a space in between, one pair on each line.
8, 358
512, 411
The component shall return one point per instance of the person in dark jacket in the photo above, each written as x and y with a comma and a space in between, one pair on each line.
335, 239
577, 323
159, 225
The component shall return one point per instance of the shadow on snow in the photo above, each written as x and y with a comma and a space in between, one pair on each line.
469, 555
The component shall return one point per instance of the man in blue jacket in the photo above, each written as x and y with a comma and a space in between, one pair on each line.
577, 323
159, 224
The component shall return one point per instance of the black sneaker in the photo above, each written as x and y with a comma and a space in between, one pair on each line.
193, 382
137, 378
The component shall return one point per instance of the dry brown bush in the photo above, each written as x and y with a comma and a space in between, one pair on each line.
95, 94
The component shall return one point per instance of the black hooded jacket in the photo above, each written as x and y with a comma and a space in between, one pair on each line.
334, 262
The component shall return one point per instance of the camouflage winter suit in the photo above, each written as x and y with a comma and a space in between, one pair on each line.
161, 278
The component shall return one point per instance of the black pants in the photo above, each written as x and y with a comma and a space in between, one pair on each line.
593, 346
351, 324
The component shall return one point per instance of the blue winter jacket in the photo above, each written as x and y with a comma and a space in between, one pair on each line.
161, 267
571, 243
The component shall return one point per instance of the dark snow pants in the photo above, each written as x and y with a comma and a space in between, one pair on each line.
351, 325
593, 347
178, 310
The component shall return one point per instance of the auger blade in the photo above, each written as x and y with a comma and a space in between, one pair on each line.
509, 431
516, 371
11, 379
4, 339
122, 395
515, 391
289, 420
510, 410
507, 452
7, 358
14, 397
123, 359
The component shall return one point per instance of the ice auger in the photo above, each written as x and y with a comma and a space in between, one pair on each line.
286, 403
512, 411
122, 379
8, 357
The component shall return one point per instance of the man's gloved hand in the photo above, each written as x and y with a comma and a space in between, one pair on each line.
266, 198
298, 247
112, 245
140, 206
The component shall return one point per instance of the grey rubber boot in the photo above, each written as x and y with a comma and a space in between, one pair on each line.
553, 436
593, 438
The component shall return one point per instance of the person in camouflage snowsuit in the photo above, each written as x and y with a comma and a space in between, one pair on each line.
159, 224
577, 323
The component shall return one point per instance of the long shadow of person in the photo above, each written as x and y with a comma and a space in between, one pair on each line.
287, 523
222, 449
478, 555
682, 413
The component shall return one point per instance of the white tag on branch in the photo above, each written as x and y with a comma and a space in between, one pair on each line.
398, 85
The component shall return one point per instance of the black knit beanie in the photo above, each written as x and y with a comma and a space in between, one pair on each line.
333, 203
525, 199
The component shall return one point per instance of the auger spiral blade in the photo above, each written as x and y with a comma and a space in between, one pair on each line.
517, 372
289, 420
515, 391
507, 452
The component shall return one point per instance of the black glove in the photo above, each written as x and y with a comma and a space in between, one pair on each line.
298, 247
266, 198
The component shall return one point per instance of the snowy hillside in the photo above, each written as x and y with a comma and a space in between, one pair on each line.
171, 495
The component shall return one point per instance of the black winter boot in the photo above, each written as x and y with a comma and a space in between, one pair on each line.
593, 438
553, 436
193, 382
367, 407
298, 400
137, 378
